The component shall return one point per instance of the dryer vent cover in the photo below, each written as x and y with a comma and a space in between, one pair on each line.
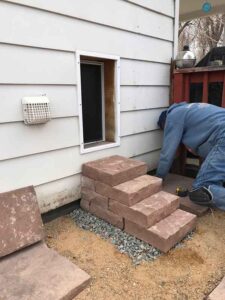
36, 110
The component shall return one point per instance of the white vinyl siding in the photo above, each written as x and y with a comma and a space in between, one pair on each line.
133, 98
38, 43
32, 27
63, 100
141, 21
52, 165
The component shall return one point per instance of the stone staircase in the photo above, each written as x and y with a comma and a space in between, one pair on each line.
118, 190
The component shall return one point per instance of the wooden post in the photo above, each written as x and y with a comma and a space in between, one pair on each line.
205, 88
187, 88
178, 88
172, 68
223, 94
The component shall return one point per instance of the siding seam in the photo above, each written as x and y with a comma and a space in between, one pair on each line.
143, 109
156, 150
77, 116
72, 146
150, 9
75, 84
52, 118
74, 52
145, 85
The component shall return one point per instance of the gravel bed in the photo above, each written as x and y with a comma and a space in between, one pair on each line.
136, 249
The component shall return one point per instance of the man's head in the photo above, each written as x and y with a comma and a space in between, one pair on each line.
162, 119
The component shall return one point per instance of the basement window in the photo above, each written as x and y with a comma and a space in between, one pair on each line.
98, 97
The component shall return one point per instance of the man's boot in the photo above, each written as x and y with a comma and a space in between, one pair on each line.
201, 196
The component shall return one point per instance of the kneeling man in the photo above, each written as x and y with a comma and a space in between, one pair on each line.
201, 128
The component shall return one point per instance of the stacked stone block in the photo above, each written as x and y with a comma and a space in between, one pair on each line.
118, 190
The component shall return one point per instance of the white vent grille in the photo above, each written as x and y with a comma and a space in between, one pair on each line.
36, 110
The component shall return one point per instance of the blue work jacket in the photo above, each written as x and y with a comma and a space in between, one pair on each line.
197, 125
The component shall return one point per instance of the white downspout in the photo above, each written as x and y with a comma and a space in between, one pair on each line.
224, 35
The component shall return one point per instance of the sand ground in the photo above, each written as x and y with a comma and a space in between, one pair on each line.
190, 272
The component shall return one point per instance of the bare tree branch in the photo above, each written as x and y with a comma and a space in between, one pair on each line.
183, 26
202, 34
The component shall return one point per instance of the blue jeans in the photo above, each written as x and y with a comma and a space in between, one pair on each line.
212, 174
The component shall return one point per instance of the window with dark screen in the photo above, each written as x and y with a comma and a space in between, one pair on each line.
92, 90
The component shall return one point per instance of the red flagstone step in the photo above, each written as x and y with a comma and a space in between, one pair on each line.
148, 211
219, 292
35, 272
132, 191
166, 233
114, 170
40, 273
20, 220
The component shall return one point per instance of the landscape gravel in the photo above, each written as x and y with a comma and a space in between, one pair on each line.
136, 249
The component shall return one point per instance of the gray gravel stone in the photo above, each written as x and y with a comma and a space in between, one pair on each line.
136, 249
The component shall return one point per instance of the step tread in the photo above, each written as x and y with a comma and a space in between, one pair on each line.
172, 224
38, 272
114, 170
137, 189
136, 184
154, 203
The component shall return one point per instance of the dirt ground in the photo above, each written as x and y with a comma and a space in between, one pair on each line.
191, 272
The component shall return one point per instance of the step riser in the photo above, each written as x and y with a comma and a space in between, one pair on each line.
94, 198
87, 183
157, 239
140, 218
114, 170
107, 215
98, 206
85, 205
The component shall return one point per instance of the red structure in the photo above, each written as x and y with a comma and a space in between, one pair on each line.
180, 91
182, 79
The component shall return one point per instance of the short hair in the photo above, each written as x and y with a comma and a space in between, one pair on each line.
162, 119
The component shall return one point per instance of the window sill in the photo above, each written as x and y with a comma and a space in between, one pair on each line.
98, 146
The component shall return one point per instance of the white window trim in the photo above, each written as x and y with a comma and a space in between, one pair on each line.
80, 53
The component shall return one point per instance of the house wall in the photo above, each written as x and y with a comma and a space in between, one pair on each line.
38, 41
